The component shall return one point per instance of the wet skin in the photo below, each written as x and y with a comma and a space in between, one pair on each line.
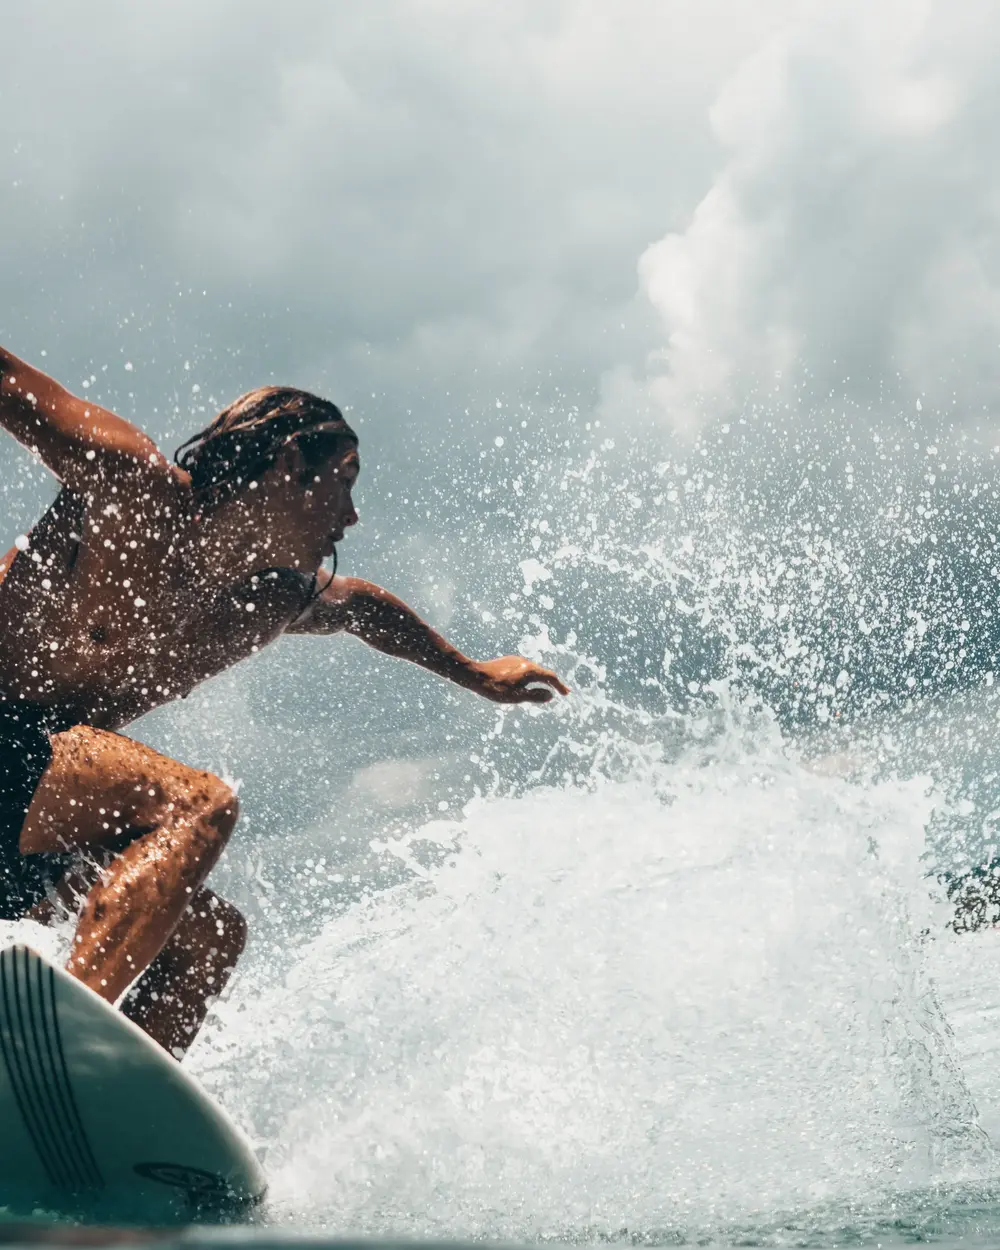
131, 591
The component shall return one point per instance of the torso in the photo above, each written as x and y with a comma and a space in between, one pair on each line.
114, 608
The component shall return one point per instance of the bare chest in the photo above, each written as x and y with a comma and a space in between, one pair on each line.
117, 610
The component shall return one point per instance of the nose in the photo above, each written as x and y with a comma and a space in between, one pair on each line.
351, 518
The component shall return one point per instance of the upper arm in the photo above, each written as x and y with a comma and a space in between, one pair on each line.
67, 433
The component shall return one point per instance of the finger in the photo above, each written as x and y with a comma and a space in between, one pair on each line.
536, 694
546, 676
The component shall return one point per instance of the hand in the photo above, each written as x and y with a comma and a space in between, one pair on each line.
513, 679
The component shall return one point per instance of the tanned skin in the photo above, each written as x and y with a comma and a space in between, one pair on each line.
130, 594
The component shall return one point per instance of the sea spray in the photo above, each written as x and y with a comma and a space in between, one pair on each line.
662, 1002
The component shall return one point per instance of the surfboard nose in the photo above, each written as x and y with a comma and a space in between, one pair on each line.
98, 1119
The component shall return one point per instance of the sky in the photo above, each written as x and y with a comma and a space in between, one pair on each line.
412, 206
656, 206
848, 240
448, 213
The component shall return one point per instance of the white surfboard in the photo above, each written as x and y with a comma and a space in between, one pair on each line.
96, 1120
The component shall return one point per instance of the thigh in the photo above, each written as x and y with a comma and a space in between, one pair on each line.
100, 787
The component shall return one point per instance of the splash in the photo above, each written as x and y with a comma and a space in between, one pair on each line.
671, 1002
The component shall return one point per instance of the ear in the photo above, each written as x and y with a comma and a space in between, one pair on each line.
292, 463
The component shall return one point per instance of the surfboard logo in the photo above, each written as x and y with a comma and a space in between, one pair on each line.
196, 1183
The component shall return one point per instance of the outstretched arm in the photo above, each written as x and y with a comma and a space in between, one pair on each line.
386, 623
71, 436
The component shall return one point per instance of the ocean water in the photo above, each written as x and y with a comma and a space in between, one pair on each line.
670, 962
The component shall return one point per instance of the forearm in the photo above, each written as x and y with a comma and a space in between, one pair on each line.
386, 623
21, 390
389, 625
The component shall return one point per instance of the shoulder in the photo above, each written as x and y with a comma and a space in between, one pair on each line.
149, 482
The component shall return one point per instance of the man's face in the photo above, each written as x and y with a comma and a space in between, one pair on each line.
308, 508
328, 496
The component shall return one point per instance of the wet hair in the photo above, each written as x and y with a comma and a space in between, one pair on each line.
246, 438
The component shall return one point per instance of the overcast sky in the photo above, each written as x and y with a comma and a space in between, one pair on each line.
659, 201
421, 200
850, 235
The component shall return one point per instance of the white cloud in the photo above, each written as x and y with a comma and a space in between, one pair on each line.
853, 232
420, 198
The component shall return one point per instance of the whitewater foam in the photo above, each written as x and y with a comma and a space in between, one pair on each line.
617, 1006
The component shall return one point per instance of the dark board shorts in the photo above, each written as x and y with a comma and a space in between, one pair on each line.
25, 753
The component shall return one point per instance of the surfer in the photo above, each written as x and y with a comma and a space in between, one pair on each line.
142, 580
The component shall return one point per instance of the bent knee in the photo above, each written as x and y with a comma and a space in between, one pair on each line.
220, 808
